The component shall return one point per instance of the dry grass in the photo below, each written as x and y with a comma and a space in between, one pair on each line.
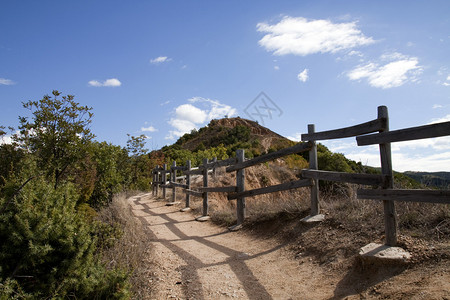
339, 203
131, 251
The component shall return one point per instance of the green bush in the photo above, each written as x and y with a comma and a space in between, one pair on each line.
48, 248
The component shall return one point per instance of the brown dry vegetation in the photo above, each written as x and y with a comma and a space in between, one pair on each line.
424, 231
131, 251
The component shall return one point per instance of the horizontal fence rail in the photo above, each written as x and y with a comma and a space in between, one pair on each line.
219, 189
273, 188
408, 134
364, 128
367, 179
372, 132
427, 196
302, 147
194, 193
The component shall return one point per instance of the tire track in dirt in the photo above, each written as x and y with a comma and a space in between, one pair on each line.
203, 261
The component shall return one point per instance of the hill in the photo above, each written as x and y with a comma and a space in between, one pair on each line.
231, 132
432, 179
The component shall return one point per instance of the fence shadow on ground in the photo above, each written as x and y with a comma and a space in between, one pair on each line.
236, 259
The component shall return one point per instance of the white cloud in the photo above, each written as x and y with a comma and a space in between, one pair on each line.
188, 116
297, 137
149, 129
4, 81
303, 76
440, 120
355, 53
300, 36
159, 60
112, 82
437, 106
190, 113
276, 68
447, 81
389, 75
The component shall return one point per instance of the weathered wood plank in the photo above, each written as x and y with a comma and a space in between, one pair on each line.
368, 179
181, 177
194, 172
427, 196
390, 217
274, 188
219, 189
408, 134
205, 184
194, 193
178, 168
313, 164
240, 185
301, 147
176, 184
164, 178
172, 179
166, 185
220, 163
188, 184
364, 128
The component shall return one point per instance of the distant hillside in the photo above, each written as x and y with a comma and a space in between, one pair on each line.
432, 179
234, 133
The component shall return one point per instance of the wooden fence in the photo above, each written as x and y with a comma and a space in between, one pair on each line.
369, 133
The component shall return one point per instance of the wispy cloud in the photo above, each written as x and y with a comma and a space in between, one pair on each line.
398, 70
149, 129
189, 116
447, 81
300, 36
297, 137
113, 82
303, 76
159, 60
4, 81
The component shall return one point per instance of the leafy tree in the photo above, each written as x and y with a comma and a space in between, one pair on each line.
58, 133
111, 172
140, 162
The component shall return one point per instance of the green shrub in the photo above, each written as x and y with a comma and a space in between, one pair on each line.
48, 249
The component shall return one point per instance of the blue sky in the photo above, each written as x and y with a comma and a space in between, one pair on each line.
162, 68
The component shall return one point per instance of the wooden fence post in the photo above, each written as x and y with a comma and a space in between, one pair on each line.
315, 209
188, 186
214, 168
173, 179
390, 217
164, 180
205, 184
240, 183
157, 181
153, 182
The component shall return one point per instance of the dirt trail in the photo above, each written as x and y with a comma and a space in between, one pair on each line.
201, 261
197, 260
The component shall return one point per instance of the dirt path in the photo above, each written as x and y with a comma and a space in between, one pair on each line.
197, 260
201, 261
